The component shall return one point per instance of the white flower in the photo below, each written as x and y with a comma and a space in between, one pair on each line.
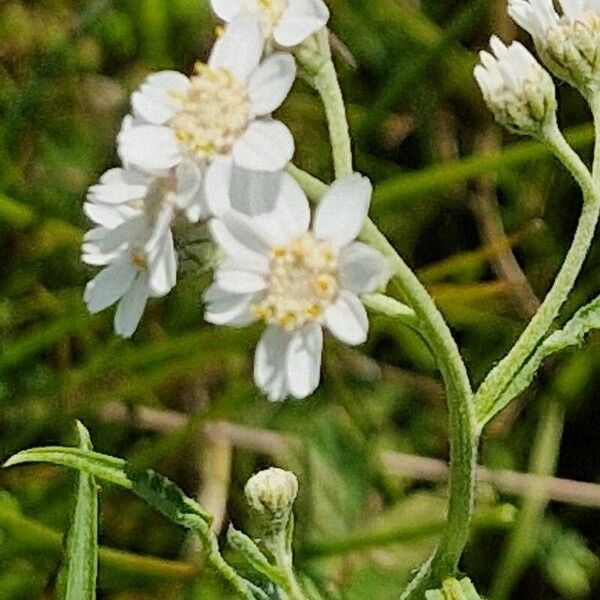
517, 89
288, 22
568, 41
297, 279
222, 110
132, 239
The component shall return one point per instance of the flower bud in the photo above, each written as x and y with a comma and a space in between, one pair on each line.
568, 42
271, 495
516, 88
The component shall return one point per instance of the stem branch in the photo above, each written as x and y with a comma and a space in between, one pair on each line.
463, 432
499, 378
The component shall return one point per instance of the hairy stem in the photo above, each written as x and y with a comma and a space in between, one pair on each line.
326, 83
463, 431
500, 377
284, 561
462, 426
212, 552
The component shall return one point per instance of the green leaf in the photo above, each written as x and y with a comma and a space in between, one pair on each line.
160, 493
157, 491
251, 552
572, 334
77, 580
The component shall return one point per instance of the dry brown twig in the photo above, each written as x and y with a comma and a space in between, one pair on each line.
276, 445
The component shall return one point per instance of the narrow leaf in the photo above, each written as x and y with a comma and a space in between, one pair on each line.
77, 579
160, 493
572, 334
157, 491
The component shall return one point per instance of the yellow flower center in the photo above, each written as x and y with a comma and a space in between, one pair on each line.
214, 112
271, 12
138, 260
303, 282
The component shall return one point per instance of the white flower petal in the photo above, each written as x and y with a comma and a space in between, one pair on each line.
341, 214
131, 307
91, 254
190, 191
285, 212
303, 361
249, 232
118, 186
91, 251
155, 102
227, 308
227, 9
362, 268
232, 246
240, 281
239, 48
270, 84
270, 363
109, 215
149, 147
124, 234
254, 193
292, 210
217, 184
109, 285
163, 266
265, 146
301, 19
347, 319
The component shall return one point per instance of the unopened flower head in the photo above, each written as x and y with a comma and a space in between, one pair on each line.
271, 494
296, 278
517, 89
222, 110
568, 40
287, 22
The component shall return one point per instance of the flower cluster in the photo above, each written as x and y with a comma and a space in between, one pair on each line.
516, 87
205, 148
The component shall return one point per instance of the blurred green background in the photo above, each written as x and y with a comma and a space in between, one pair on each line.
463, 202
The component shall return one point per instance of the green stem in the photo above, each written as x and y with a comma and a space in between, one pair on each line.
326, 83
284, 561
210, 546
462, 422
462, 425
500, 377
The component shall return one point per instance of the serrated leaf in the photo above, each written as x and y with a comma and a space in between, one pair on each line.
77, 579
251, 552
572, 334
156, 490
